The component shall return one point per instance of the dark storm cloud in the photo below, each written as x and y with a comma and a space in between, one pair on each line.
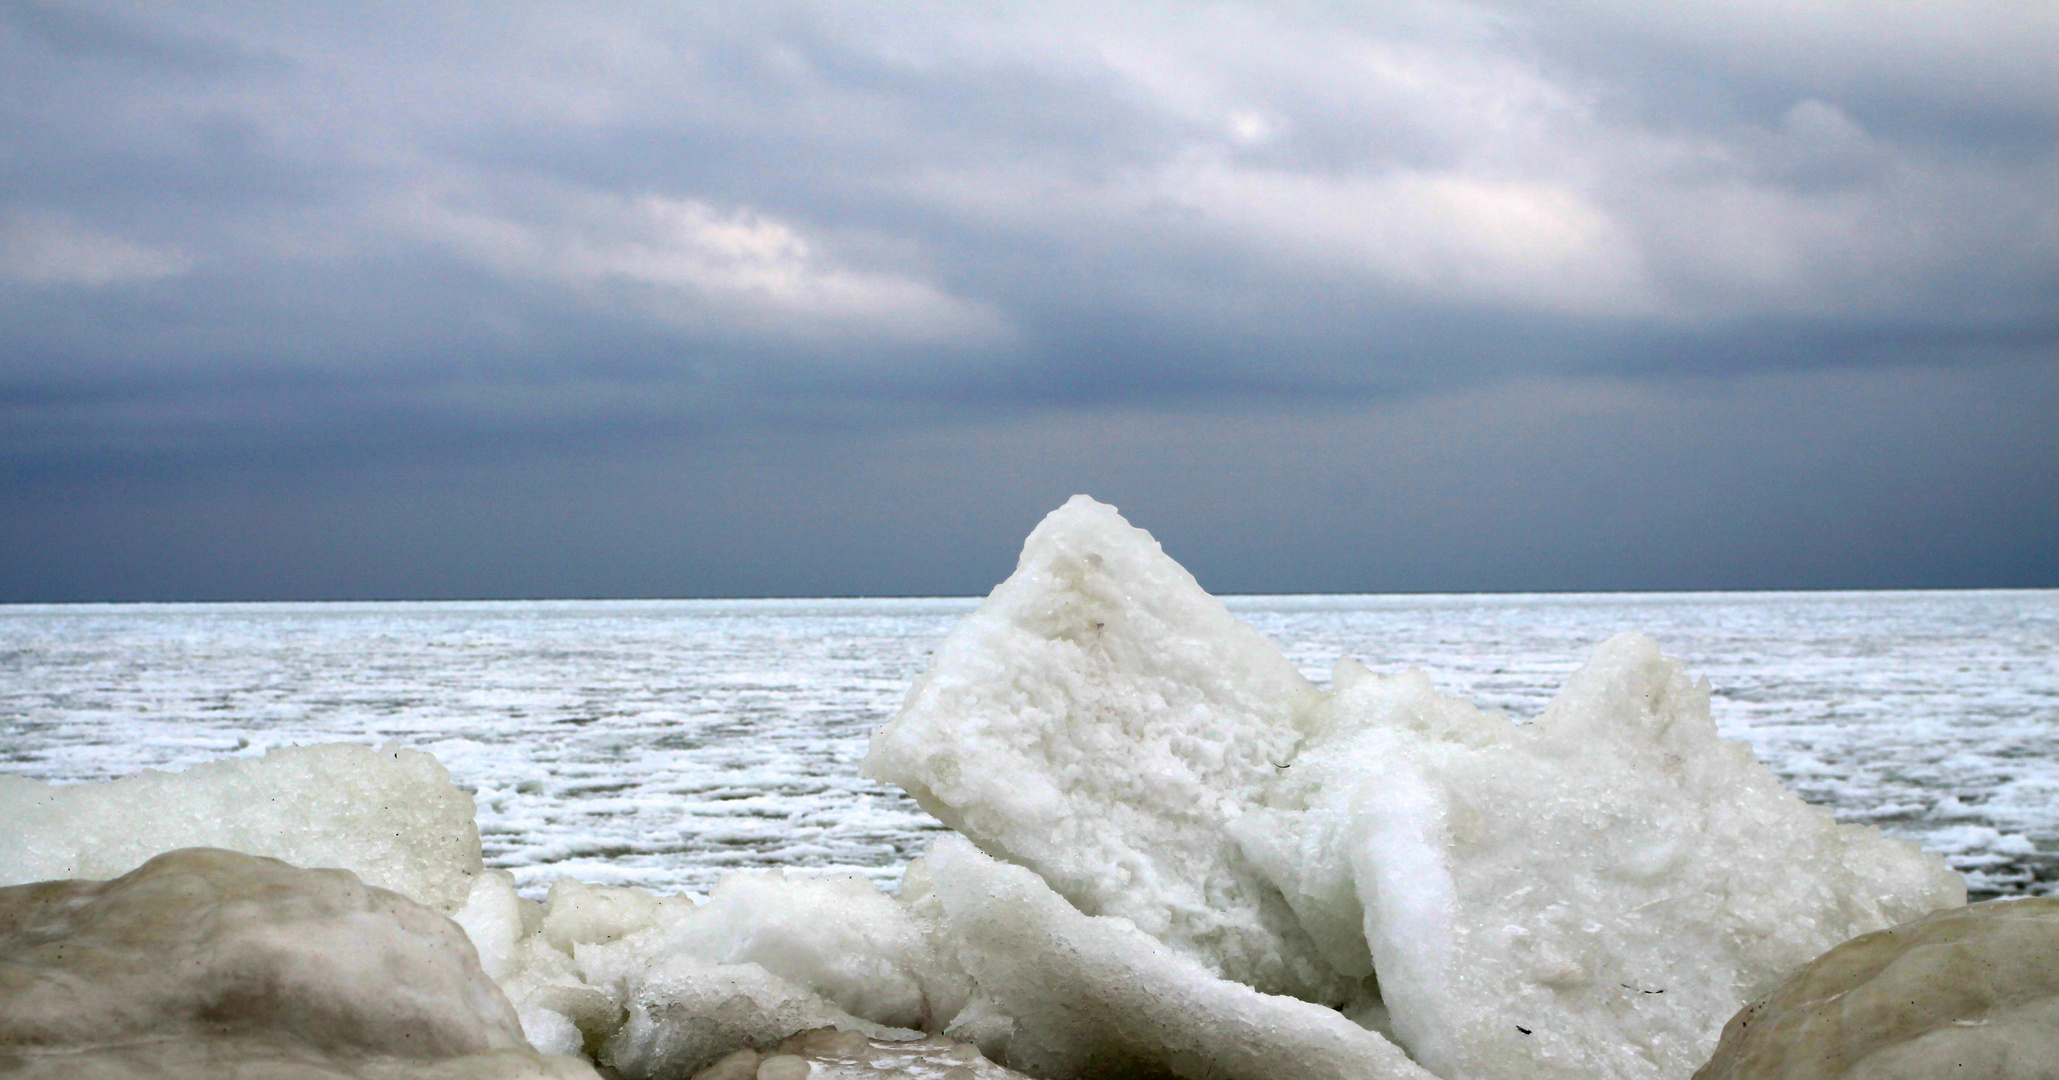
243, 247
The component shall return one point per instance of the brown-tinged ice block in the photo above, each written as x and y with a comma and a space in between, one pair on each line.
1969, 993
205, 963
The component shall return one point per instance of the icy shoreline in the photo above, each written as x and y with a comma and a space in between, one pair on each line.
1188, 859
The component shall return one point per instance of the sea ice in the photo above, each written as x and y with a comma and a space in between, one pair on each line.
205, 963
837, 934
1101, 720
684, 1016
659, 987
1179, 856
1586, 896
1971, 992
391, 816
829, 1054
1094, 997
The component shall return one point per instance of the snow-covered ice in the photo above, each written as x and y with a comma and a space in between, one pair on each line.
1089, 997
1591, 894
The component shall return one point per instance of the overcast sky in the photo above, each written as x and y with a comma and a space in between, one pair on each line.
321, 301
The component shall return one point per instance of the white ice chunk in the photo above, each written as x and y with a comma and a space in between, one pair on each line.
575, 913
494, 919
1590, 895
390, 816
653, 986
1094, 996
1586, 896
1101, 719
685, 1015
531, 949
836, 934
205, 963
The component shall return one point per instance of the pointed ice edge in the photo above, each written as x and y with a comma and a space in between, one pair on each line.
1590, 895
1101, 720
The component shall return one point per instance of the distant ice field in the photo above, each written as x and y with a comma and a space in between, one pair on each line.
661, 743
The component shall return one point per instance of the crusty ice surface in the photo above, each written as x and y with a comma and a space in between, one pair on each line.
829, 1054
1588, 895
1100, 719
390, 815
659, 987
1096, 997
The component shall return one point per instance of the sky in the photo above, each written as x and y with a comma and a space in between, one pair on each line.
300, 301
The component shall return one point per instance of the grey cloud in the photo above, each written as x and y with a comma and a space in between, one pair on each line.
233, 239
986, 154
79, 33
1824, 479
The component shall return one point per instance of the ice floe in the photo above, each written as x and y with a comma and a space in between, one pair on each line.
1591, 894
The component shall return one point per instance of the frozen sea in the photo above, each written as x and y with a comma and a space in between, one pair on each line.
661, 743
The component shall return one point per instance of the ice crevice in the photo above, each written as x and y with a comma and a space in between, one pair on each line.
1176, 856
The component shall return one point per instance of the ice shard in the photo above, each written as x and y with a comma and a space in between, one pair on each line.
1101, 719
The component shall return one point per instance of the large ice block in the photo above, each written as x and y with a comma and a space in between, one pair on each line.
1101, 719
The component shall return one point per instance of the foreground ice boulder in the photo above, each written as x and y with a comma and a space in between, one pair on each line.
1969, 993
205, 963
390, 816
1588, 896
